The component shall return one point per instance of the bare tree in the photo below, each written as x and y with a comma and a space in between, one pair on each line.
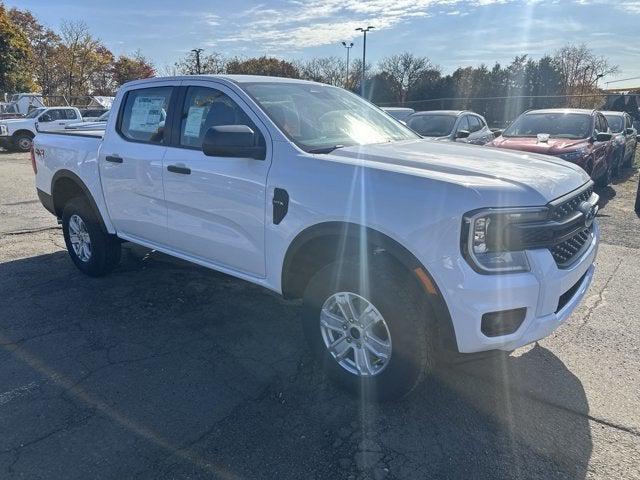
329, 70
404, 71
212, 63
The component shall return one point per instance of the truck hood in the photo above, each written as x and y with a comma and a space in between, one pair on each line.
553, 146
544, 178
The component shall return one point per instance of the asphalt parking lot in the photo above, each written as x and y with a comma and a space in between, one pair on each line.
164, 370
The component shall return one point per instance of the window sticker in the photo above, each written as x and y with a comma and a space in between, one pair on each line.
194, 122
146, 114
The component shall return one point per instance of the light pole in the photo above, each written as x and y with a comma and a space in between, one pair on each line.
197, 51
364, 55
348, 46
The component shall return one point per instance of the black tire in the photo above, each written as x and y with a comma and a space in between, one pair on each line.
605, 179
618, 169
22, 143
396, 295
105, 249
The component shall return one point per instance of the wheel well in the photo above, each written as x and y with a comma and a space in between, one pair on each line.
325, 243
20, 133
65, 186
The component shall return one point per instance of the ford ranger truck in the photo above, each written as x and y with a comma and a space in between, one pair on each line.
401, 249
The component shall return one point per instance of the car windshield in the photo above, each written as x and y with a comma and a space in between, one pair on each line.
34, 113
432, 125
616, 123
556, 125
318, 117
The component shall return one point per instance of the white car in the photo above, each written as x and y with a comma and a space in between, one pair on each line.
18, 133
400, 248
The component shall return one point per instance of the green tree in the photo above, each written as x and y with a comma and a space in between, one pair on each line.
269, 66
15, 56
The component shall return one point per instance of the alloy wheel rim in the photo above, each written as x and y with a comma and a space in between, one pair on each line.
79, 237
24, 143
355, 334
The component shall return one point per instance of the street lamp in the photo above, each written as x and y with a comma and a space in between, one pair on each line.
348, 46
197, 51
364, 55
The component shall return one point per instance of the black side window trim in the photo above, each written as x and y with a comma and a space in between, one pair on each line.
168, 123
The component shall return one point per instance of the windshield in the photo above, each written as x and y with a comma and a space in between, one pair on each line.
34, 113
556, 125
432, 125
616, 123
319, 117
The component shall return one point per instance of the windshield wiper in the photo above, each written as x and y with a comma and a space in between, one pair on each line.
325, 149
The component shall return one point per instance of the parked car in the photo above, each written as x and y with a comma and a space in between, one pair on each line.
400, 248
399, 113
18, 133
99, 124
576, 135
451, 125
625, 139
92, 114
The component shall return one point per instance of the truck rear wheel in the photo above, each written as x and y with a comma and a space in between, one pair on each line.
93, 251
369, 332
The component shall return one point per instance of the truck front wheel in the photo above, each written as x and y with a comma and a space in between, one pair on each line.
22, 142
368, 328
93, 251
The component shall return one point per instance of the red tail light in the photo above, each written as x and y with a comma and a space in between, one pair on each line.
33, 161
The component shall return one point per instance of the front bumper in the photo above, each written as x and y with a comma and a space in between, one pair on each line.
6, 142
540, 291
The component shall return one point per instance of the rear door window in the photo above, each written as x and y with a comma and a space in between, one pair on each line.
143, 115
474, 123
463, 124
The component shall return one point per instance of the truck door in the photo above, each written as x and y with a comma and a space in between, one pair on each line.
216, 205
52, 120
130, 162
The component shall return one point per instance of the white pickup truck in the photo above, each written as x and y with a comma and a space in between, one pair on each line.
18, 133
400, 248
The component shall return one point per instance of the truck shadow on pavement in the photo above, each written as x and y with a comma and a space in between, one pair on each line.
166, 370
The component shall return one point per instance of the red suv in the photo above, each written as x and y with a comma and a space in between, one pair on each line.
578, 136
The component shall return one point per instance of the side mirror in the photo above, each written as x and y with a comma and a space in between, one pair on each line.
462, 133
237, 141
497, 132
45, 118
603, 137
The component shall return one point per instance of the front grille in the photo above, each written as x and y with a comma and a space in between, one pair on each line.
571, 205
565, 252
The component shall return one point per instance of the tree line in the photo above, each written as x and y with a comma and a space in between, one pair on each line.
72, 62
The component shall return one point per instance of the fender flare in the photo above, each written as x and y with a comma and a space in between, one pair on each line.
68, 174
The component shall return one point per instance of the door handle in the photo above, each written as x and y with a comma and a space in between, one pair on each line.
178, 169
113, 159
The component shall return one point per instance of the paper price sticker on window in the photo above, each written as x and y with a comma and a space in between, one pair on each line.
146, 114
194, 122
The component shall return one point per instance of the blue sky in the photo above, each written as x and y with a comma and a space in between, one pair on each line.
450, 32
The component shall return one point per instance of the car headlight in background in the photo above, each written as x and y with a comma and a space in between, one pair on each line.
489, 244
573, 155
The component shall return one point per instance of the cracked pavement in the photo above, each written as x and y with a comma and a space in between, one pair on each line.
164, 370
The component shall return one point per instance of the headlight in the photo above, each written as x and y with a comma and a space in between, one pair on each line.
574, 155
489, 243
619, 140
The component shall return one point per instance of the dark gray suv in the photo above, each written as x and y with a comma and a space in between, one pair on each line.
451, 125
